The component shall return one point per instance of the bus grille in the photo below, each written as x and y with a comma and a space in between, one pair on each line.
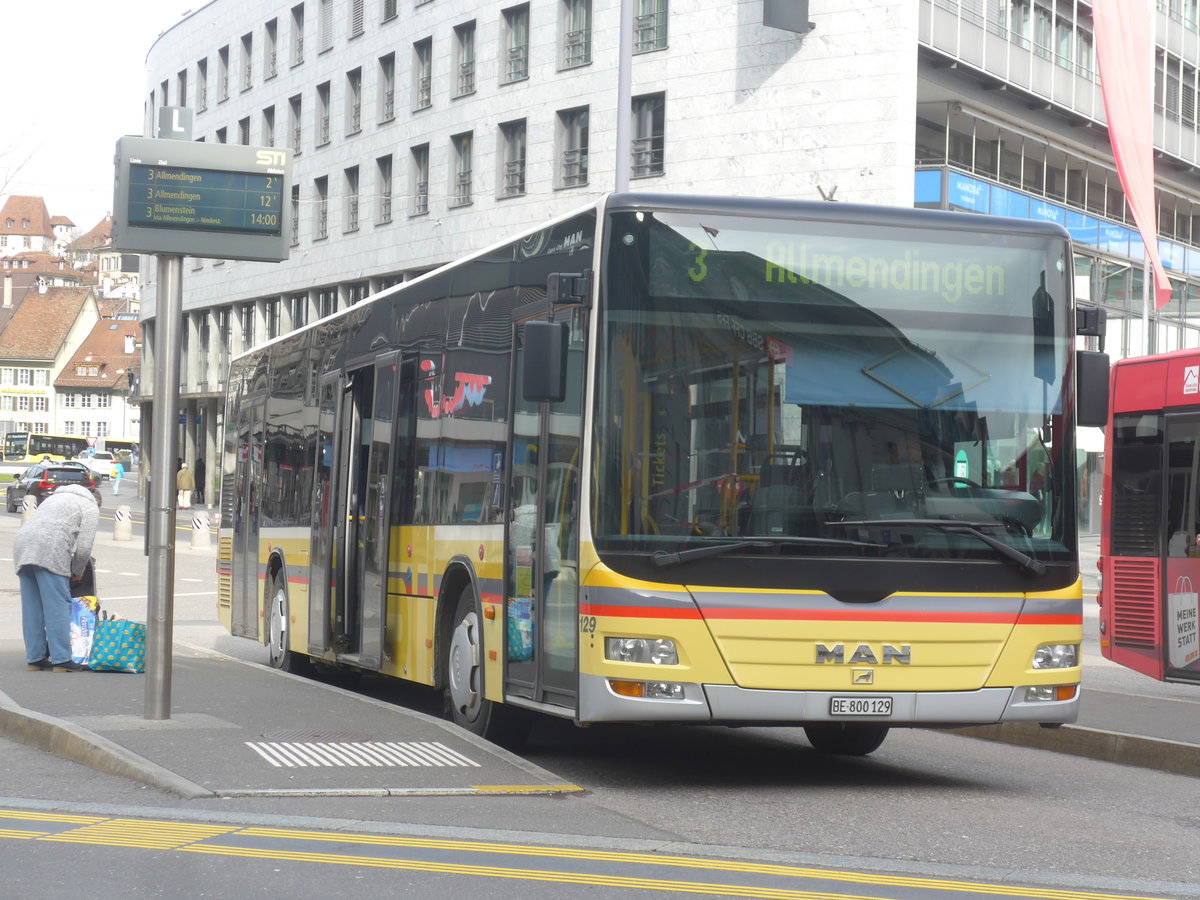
1135, 602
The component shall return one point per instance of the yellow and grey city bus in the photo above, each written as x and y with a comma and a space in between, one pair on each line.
681, 459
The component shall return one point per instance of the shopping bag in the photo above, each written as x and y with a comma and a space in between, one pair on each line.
1182, 624
118, 645
84, 613
519, 630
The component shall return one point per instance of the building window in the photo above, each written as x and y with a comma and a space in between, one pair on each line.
325, 35
25, 376
650, 26
515, 34
297, 34
420, 180
576, 33
295, 215
649, 117
387, 87
202, 85
295, 122
69, 401
40, 377
384, 188
352, 198
321, 208
101, 429
464, 62
272, 311
389, 10
268, 127
223, 73
298, 310
356, 18
461, 189
181, 86
40, 404
23, 404
423, 74
573, 144
271, 49
512, 152
326, 302
85, 400
244, 131
225, 335
247, 61
323, 114
357, 292
247, 323
354, 101
221, 136
68, 427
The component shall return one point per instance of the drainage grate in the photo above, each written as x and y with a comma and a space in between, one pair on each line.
308, 734
396, 754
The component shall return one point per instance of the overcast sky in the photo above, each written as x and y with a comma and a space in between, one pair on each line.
75, 82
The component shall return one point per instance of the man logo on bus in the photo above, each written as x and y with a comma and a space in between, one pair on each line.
1191, 380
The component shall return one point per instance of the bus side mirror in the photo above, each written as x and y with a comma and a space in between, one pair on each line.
545, 375
1091, 388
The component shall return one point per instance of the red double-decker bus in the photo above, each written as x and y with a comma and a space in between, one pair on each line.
1150, 538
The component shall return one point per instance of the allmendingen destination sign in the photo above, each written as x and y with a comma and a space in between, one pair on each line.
174, 197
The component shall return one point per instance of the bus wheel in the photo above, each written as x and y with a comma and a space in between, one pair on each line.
279, 654
465, 703
845, 739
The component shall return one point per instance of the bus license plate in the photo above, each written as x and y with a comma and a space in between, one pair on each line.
860, 706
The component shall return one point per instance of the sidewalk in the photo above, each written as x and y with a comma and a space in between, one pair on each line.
240, 729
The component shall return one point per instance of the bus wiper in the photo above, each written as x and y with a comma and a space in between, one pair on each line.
1028, 564
662, 558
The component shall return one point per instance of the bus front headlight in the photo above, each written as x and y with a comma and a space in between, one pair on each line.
1056, 656
656, 651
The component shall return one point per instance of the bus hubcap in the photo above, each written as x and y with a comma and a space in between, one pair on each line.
464, 665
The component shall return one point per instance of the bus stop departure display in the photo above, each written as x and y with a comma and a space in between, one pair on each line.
204, 199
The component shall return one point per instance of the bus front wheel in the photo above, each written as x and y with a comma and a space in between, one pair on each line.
279, 653
845, 739
466, 705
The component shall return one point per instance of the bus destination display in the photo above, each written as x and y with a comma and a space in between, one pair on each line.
204, 199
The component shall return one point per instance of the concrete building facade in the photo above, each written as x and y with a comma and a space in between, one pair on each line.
425, 129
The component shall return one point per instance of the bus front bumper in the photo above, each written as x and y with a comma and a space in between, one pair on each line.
729, 704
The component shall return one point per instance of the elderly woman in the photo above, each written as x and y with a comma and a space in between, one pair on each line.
51, 551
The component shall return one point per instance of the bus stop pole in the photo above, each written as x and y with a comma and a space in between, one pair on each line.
160, 524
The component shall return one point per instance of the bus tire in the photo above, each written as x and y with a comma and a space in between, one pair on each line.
279, 653
844, 738
465, 704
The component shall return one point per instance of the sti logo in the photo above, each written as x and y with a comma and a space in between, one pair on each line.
270, 158
1191, 379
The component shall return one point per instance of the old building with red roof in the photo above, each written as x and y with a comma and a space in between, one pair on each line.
41, 335
93, 388
25, 225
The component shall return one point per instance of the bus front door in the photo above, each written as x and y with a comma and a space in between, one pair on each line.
247, 520
350, 518
542, 578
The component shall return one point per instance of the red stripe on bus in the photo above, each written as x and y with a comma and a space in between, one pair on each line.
654, 612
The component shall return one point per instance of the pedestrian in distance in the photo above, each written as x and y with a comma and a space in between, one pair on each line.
185, 483
51, 552
118, 472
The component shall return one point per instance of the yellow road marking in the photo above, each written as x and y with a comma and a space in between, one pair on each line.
196, 838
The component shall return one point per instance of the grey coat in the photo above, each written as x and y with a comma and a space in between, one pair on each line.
59, 535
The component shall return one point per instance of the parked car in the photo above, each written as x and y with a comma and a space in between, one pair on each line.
100, 462
41, 479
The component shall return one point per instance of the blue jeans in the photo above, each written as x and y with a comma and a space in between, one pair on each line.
45, 614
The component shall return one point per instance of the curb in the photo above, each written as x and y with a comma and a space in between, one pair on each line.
87, 748
1093, 743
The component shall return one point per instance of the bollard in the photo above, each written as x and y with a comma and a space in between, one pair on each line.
28, 505
122, 524
200, 535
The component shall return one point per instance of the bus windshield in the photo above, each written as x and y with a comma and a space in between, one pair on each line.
833, 389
